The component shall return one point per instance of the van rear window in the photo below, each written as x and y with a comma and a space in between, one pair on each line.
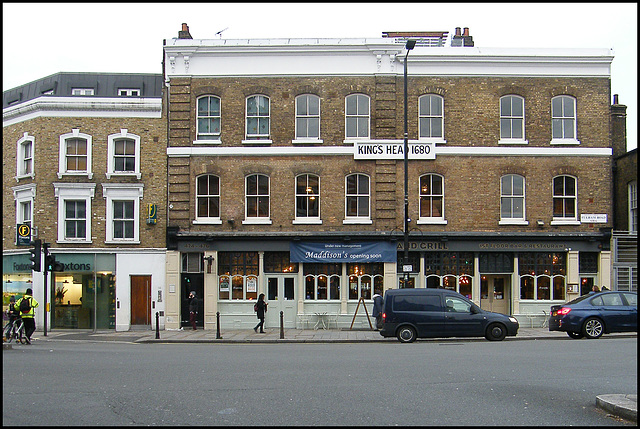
417, 303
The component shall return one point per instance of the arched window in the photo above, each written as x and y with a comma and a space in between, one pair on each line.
257, 198
512, 118
207, 198
307, 197
431, 116
565, 198
357, 117
512, 191
308, 117
563, 118
208, 118
357, 197
258, 125
431, 198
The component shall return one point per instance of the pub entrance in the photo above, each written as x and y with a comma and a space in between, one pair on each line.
281, 297
495, 293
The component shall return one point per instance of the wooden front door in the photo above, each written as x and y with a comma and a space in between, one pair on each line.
140, 300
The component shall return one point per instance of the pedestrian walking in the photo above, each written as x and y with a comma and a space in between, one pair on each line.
28, 313
596, 288
377, 310
261, 308
193, 309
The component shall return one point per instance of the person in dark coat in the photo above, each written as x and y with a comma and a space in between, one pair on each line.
261, 308
193, 309
377, 309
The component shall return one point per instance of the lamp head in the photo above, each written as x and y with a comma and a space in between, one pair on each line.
410, 44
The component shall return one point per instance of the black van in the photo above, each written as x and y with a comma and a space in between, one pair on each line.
422, 313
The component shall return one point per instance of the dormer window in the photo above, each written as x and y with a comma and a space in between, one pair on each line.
126, 92
82, 91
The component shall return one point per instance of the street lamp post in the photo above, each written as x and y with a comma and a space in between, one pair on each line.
409, 46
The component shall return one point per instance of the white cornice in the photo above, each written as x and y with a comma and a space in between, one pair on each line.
100, 107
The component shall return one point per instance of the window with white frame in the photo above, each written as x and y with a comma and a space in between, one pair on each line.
322, 281
563, 120
357, 117
257, 202
565, 199
208, 118
208, 199
542, 275
512, 193
123, 211
512, 118
633, 205
74, 210
123, 154
25, 157
431, 199
431, 116
307, 117
365, 280
307, 199
128, 92
357, 199
258, 118
24, 196
75, 154
82, 91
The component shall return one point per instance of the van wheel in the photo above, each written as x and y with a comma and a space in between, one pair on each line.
575, 335
406, 334
593, 328
496, 332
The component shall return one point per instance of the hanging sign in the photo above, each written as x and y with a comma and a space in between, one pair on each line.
24, 234
377, 251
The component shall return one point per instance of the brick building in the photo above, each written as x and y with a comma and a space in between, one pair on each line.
84, 166
286, 174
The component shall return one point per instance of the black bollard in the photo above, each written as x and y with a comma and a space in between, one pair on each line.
218, 337
281, 327
157, 325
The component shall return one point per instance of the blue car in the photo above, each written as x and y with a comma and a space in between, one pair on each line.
595, 314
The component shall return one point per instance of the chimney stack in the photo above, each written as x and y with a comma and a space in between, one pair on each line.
462, 38
618, 127
184, 33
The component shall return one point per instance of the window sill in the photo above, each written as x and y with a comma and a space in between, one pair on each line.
132, 241
357, 221
565, 141
257, 141
307, 141
431, 221
257, 221
210, 221
513, 141
136, 175
307, 222
513, 222
435, 140
67, 241
212, 141
557, 222
25, 176
61, 174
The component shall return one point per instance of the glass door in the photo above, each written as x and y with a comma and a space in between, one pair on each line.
494, 293
280, 296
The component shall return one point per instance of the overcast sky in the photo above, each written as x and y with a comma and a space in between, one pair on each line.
40, 39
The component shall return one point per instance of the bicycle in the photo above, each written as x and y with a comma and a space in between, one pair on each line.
15, 330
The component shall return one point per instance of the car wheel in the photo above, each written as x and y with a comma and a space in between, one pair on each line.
406, 334
575, 335
593, 328
496, 332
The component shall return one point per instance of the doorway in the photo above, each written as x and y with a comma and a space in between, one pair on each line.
189, 283
495, 293
141, 301
281, 297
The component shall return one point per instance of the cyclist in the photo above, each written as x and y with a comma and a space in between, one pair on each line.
28, 318
13, 314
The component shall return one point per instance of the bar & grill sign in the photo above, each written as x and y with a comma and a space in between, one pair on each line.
377, 251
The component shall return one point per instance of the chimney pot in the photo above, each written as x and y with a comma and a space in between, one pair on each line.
466, 31
615, 98
458, 31
185, 27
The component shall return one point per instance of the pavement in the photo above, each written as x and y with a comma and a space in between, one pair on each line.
620, 405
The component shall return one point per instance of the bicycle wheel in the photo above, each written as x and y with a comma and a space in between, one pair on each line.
7, 333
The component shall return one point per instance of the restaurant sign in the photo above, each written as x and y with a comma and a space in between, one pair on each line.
393, 150
377, 251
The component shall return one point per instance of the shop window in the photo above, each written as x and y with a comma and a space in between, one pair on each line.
307, 199
208, 118
322, 281
307, 118
542, 275
258, 118
431, 199
237, 275
278, 262
365, 280
431, 116
450, 270
357, 117
208, 199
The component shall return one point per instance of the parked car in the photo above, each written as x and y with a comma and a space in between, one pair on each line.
427, 313
593, 314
